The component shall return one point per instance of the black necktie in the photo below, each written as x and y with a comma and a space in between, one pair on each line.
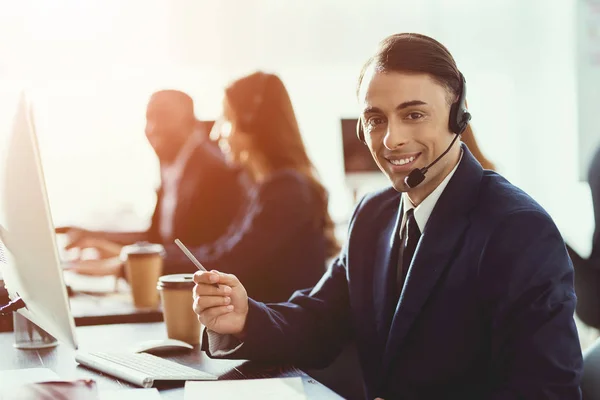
409, 239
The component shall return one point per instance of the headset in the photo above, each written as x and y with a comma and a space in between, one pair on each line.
457, 123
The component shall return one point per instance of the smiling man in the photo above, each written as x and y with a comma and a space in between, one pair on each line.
454, 283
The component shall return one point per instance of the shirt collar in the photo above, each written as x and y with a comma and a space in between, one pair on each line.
184, 154
423, 211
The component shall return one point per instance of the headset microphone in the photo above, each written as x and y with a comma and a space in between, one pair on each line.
457, 123
417, 175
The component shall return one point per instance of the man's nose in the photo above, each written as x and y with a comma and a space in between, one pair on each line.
396, 136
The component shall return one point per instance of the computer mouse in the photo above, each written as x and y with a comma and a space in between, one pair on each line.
161, 346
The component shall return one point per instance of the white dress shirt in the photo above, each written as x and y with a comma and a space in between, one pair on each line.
170, 178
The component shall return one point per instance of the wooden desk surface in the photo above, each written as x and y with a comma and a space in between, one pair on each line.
61, 359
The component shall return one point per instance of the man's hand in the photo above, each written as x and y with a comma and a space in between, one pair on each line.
105, 248
106, 262
224, 309
102, 267
73, 233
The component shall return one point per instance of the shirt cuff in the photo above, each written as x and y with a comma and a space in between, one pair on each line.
222, 345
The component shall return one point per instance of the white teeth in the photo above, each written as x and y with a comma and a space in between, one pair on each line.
403, 161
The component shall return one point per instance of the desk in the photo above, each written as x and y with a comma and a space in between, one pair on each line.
116, 308
95, 303
119, 337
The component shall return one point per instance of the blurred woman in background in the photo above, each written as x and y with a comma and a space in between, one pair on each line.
285, 236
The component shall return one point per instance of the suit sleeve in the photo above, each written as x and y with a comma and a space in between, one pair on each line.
283, 205
309, 330
526, 283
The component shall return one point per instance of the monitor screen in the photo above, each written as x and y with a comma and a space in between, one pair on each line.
31, 270
357, 157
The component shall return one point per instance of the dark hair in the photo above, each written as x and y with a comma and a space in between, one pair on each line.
413, 52
263, 109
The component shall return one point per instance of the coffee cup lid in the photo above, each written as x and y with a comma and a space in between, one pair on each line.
176, 281
142, 248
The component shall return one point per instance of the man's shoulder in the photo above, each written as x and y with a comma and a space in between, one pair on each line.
380, 199
375, 208
499, 200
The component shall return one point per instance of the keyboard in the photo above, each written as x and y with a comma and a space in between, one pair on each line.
140, 369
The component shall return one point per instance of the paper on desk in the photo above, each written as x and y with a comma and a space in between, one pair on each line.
249, 389
129, 394
18, 377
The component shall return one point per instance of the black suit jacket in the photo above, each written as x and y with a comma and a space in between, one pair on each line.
210, 196
486, 311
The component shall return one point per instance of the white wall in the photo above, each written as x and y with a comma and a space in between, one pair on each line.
94, 66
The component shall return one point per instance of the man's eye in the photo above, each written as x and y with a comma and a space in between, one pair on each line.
414, 116
374, 121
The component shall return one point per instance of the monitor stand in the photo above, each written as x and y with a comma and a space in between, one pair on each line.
29, 336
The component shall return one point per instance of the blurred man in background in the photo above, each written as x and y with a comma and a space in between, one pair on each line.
199, 196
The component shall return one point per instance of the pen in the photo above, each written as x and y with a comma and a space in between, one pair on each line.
193, 259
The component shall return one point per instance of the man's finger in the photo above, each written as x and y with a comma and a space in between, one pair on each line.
63, 229
226, 279
210, 290
82, 242
104, 267
86, 269
209, 315
76, 244
205, 277
205, 302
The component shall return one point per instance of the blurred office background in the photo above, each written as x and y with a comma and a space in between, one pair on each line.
90, 66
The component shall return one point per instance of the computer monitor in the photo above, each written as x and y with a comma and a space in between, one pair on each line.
32, 270
360, 169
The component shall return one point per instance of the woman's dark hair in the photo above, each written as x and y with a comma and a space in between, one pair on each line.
262, 108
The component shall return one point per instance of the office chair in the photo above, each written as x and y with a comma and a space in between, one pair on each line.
587, 289
590, 384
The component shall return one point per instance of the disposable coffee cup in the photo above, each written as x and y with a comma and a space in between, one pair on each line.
143, 266
177, 302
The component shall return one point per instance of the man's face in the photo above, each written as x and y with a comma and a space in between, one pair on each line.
405, 121
167, 127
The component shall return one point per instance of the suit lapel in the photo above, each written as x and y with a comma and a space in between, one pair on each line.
436, 249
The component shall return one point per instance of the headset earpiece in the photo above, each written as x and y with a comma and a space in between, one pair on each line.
459, 115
